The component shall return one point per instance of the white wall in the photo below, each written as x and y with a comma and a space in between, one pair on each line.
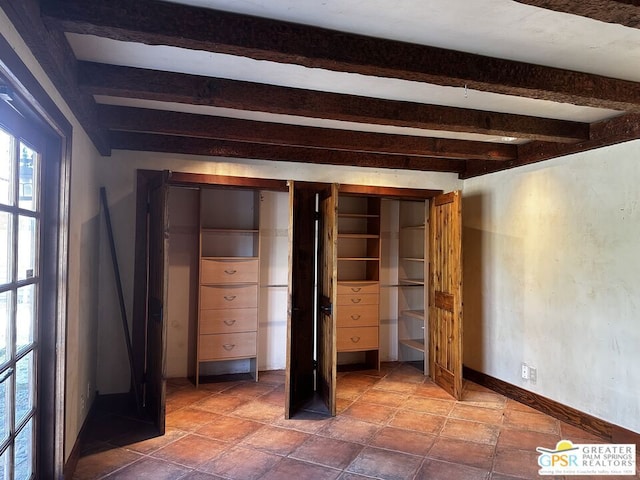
118, 174
83, 287
552, 261
182, 294
84, 228
274, 276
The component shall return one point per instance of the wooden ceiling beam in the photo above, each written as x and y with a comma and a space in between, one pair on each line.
162, 23
223, 128
623, 12
608, 132
148, 142
53, 52
110, 80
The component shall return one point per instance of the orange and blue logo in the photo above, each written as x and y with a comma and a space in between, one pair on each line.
568, 458
564, 455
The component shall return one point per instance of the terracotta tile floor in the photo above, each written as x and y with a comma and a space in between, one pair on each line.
392, 424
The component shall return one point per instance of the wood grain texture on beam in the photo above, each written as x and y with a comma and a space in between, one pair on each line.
620, 129
110, 80
224, 128
623, 12
223, 148
161, 23
54, 54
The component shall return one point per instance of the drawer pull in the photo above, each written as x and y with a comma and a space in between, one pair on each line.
355, 339
355, 317
356, 300
356, 289
230, 272
228, 323
229, 298
228, 346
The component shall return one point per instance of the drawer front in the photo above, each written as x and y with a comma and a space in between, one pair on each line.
228, 271
223, 346
358, 299
353, 339
228, 320
358, 288
357, 316
228, 296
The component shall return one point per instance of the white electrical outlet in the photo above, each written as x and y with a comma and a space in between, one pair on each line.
533, 375
524, 371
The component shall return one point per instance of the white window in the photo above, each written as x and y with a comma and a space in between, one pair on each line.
20, 285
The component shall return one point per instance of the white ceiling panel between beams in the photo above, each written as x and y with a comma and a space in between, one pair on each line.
103, 50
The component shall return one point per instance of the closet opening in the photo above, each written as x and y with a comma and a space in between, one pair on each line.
387, 286
309, 278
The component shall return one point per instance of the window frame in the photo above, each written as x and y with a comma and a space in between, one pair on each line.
40, 110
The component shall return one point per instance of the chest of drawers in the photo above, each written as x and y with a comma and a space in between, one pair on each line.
228, 309
357, 316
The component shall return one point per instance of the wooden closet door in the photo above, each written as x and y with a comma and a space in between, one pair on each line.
445, 292
158, 244
328, 277
299, 373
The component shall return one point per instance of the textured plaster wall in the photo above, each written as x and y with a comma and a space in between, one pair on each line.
551, 279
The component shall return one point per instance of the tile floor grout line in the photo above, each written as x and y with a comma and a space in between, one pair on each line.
478, 414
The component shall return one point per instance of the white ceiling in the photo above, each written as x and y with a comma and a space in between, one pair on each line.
497, 28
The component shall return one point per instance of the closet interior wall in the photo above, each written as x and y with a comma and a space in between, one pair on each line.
183, 281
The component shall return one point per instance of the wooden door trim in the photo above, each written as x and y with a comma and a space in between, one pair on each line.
144, 180
288, 407
444, 198
389, 192
200, 179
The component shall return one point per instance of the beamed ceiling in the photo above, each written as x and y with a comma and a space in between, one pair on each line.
470, 87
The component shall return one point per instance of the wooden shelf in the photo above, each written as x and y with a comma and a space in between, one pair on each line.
357, 235
413, 262
416, 344
417, 314
357, 215
360, 259
234, 231
238, 257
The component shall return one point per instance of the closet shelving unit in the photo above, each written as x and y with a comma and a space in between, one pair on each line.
359, 277
413, 268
